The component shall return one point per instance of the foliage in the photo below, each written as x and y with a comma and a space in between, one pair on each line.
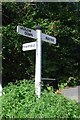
60, 61
19, 101
14, 60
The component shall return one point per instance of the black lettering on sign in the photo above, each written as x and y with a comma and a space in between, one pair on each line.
25, 29
22, 28
33, 45
48, 38
27, 33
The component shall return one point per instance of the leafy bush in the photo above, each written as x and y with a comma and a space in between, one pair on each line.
19, 101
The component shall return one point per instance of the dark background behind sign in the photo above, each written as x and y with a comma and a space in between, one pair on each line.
60, 20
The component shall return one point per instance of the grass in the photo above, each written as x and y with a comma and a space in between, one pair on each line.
19, 101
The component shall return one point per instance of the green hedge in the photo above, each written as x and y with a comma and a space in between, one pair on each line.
19, 101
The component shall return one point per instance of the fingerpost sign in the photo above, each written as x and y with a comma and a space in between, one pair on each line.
36, 45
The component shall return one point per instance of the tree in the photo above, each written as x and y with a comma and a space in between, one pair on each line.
58, 19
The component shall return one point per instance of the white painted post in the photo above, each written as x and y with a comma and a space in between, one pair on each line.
38, 64
0, 89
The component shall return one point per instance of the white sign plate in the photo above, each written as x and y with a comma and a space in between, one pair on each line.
29, 46
26, 32
48, 38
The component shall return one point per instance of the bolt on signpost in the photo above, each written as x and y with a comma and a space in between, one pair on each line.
36, 45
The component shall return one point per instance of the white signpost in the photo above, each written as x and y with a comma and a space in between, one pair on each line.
0, 89
38, 65
36, 45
